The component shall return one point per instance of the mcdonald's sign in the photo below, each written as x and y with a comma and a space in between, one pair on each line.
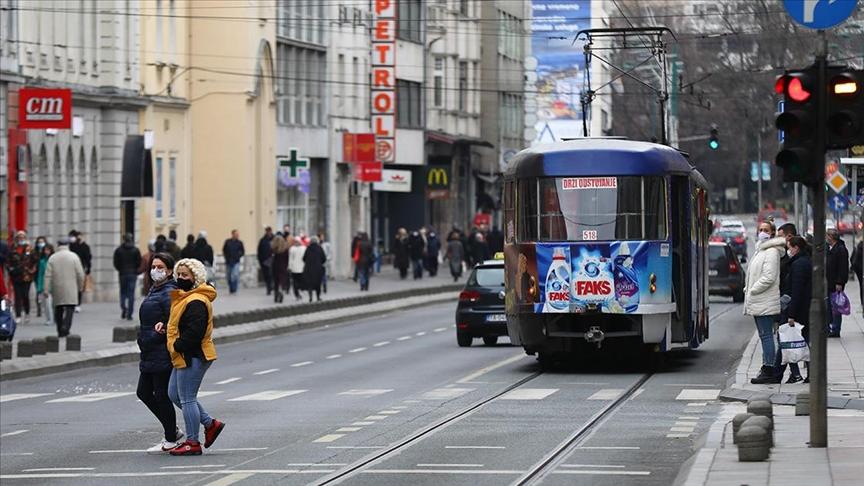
438, 182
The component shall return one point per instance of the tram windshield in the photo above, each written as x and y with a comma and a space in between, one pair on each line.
593, 208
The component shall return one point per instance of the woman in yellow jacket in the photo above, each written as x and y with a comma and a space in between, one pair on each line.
190, 344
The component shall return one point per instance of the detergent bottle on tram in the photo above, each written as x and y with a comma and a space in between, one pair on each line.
557, 288
626, 280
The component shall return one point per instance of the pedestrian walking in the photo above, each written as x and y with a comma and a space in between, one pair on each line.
836, 275
480, 249
188, 251
39, 280
265, 258
204, 254
295, 265
799, 289
281, 275
167, 245
365, 260
354, 242
64, 278
154, 365
762, 295
401, 257
4, 252
455, 255
22, 264
417, 252
433, 251
328, 255
233, 251
313, 267
80, 247
43, 298
127, 262
190, 345
857, 261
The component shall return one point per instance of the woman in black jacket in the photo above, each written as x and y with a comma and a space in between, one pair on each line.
155, 365
800, 290
313, 267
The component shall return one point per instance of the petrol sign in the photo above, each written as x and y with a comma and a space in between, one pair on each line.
383, 95
44, 108
820, 14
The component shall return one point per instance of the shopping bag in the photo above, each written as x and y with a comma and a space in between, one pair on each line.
840, 303
793, 347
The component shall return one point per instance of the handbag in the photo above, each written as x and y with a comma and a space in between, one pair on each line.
793, 347
840, 303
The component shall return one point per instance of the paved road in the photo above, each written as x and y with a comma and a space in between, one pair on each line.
302, 406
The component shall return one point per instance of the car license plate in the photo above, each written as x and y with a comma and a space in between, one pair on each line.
496, 318
712, 273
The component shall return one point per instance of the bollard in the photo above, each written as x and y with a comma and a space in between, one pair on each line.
753, 444
118, 334
131, 333
52, 344
5, 350
765, 423
736, 424
761, 407
25, 348
38, 347
802, 403
73, 342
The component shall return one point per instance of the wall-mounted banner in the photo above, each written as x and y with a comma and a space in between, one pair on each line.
44, 108
394, 181
383, 94
358, 147
367, 171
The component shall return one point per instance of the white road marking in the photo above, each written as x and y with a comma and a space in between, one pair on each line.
685, 423
400, 407
16, 432
328, 438
49, 469
688, 417
697, 404
474, 447
449, 465
209, 393
266, 372
594, 465
3, 454
445, 393
688, 384
403, 338
21, 396
410, 401
677, 436
193, 466
389, 412
243, 449
230, 479
528, 394
333, 356
302, 363
355, 447
421, 333
606, 394
602, 472
376, 417
348, 429
313, 464
512, 472
229, 380
694, 394
230, 473
636, 394
439, 329
367, 392
483, 371
688, 430
356, 350
90, 397
611, 448
382, 343
363, 424
267, 395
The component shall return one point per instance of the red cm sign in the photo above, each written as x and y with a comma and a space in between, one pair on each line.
44, 108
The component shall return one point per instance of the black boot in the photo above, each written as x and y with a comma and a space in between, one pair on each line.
766, 376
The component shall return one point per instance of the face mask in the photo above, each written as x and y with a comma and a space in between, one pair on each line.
23, 242
72, 239
185, 285
764, 236
157, 274
40, 245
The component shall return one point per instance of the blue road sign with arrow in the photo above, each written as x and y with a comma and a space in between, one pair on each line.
820, 14
837, 203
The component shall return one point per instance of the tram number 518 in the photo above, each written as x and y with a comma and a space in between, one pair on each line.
589, 235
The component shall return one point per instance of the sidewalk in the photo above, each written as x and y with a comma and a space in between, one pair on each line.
96, 321
792, 461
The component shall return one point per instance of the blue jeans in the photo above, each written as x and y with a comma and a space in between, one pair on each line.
127, 293
765, 327
835, 320
418, 268
364, 278
233, 275
183, 391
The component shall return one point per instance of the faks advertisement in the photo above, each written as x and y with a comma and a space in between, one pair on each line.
616, 277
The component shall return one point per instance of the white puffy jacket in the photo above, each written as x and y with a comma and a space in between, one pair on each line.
762, 286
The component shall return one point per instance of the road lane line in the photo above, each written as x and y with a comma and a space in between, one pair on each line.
363, 424
192, 466
356, 350
492, 472
528, 394
21, 396
688, 417
209, 393
400, 407
376, 417
267, 395
333, 356
266, 372
90, 397
348, 429
607, 394
688, 430
58, 469
403, 338
439, 329
355, 447
328, 438
602, 472
483, 371
677, 436
611, 448
474, 447
367, 392
302, 363
450, 465
694, 394
593, 465
421, 333
15, 432
229, 380
382, 343
698, 404
389, 412
230, 479
445, 393
685, 423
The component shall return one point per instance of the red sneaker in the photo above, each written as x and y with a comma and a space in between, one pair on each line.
212, 432
188, 448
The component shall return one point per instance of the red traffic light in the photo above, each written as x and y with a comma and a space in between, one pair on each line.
796, 91
780, 85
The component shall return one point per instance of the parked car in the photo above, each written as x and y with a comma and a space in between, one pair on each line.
725, 274
480, 313
734, 238
848, 225
732, 225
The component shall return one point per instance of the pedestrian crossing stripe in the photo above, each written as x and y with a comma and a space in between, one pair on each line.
91, 397
21, 396
367, 392
607, 394
445, 393
698, 394
528, 393
267, 395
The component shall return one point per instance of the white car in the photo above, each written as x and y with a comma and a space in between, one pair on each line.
733, 225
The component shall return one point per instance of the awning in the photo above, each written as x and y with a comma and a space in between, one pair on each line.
441, 137
137, 176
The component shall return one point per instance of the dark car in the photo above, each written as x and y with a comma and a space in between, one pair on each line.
725, 274
480, 312
734, 238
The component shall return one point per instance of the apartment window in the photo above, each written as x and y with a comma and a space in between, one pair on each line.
409, 21
172, 187
158, 191
301, 20
463, 7
340, 88
438, 83
511, 107
409, 104
463, 86
510, 36
301, 72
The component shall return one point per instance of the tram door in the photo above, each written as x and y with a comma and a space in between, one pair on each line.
681, 256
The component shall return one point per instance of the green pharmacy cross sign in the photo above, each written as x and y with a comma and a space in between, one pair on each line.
293, 163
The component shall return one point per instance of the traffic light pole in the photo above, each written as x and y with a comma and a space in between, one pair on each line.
818, 345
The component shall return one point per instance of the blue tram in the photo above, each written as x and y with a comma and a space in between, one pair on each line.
605, 240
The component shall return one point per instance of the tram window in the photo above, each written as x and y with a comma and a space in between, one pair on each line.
527, 210
587, 209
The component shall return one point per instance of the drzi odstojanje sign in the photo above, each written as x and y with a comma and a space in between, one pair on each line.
384, 79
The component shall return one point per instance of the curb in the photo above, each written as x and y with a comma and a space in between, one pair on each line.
740, 395
255, 324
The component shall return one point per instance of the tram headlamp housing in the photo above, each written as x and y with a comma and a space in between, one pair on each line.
652, 280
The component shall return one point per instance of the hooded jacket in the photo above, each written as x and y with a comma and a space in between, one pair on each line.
155, 308
762, 288
127, 259
190, 326
800, 287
